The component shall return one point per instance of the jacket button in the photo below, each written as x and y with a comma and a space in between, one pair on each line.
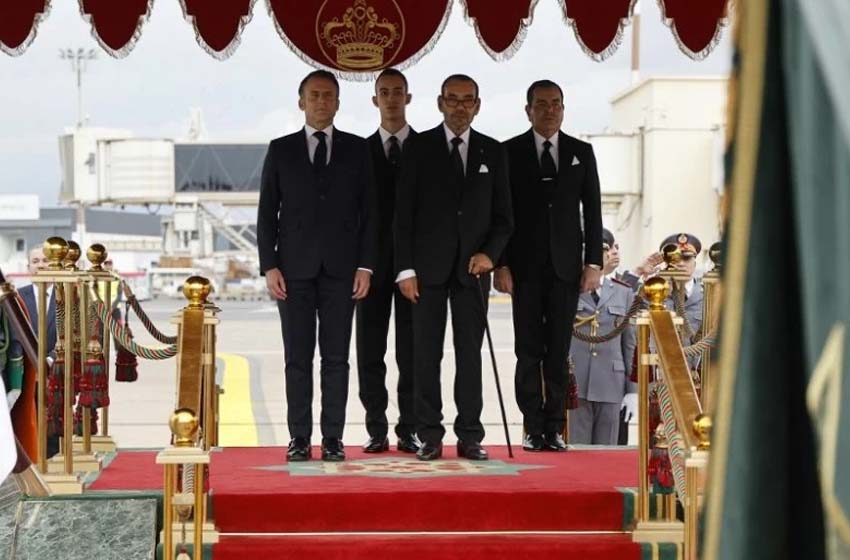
460, 212
321, 197
594, 353
550, 205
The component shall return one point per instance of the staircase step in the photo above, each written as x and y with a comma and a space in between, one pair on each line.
426, 546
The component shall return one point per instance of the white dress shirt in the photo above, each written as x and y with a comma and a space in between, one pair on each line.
538, 143
37, 308
402, 135
313, 142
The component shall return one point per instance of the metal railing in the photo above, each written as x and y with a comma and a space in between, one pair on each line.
679, 444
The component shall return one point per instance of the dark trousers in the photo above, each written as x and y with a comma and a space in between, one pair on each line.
373, 323
429, 330
544, 308
329, 299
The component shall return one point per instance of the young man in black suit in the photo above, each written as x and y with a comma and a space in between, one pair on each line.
373, 312
452, 221
554, 253
316, 234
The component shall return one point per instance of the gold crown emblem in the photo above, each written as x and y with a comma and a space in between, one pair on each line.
360, 37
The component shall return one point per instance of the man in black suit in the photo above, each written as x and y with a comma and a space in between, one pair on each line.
452, 221
555, 190
373, 312
28, 293
316, 234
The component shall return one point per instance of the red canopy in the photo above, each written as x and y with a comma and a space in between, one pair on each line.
358, 37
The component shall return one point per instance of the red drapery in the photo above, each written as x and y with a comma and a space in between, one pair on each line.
356, 38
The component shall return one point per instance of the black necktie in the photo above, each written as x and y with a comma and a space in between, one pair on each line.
547, 163
457, 161
394, 153
320, 158
595, 295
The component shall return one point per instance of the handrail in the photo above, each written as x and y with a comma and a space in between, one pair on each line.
677, 376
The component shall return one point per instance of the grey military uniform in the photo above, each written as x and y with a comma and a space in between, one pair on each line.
602, 370
693, 314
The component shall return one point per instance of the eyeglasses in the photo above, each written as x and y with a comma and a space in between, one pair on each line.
545, 106
454, 102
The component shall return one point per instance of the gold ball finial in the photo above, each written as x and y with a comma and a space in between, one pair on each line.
672, 254
72, 256
655, 291
55, 249
96, 254
196, 289
184, 426
702, 429
715, 253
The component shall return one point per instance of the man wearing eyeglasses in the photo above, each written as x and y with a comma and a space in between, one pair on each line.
453, 219
554, 254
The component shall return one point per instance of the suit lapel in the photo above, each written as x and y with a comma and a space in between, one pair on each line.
51, 311
474, 156
585, 302
606, 292
28, 295
533, 160
565, 159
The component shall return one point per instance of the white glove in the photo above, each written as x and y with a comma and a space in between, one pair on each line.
630, 403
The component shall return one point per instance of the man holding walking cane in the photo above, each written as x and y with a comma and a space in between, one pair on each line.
452, 221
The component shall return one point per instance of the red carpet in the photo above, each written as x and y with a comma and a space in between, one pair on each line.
432, 547
255, 491
573, 491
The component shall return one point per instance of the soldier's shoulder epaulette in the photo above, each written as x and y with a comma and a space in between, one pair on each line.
621, 283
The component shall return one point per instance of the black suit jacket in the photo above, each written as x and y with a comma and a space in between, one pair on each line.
438, 224
28, 294
575, 195
305, 222
386, 179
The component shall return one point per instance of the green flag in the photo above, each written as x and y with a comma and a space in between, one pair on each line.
779, 479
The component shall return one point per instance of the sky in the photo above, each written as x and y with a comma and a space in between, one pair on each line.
252, 96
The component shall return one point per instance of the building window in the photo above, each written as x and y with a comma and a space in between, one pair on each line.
20, 245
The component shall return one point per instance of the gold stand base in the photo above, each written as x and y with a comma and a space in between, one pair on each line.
82, 464
659, 531
210, 535
63, 484
100, 444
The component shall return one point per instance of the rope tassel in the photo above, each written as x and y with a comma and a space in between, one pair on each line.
94, 385
56, 393
126, 364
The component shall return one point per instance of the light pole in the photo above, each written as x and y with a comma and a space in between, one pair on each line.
78, 59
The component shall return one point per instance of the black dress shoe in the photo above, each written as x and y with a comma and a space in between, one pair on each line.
430, 451
376, 445
533, 442
554, 442
471, 450
408, 444
332, 449
299, 449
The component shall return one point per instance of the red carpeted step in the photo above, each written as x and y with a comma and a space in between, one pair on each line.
430, 547
255, 491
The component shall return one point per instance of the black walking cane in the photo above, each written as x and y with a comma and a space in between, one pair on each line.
495, 369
